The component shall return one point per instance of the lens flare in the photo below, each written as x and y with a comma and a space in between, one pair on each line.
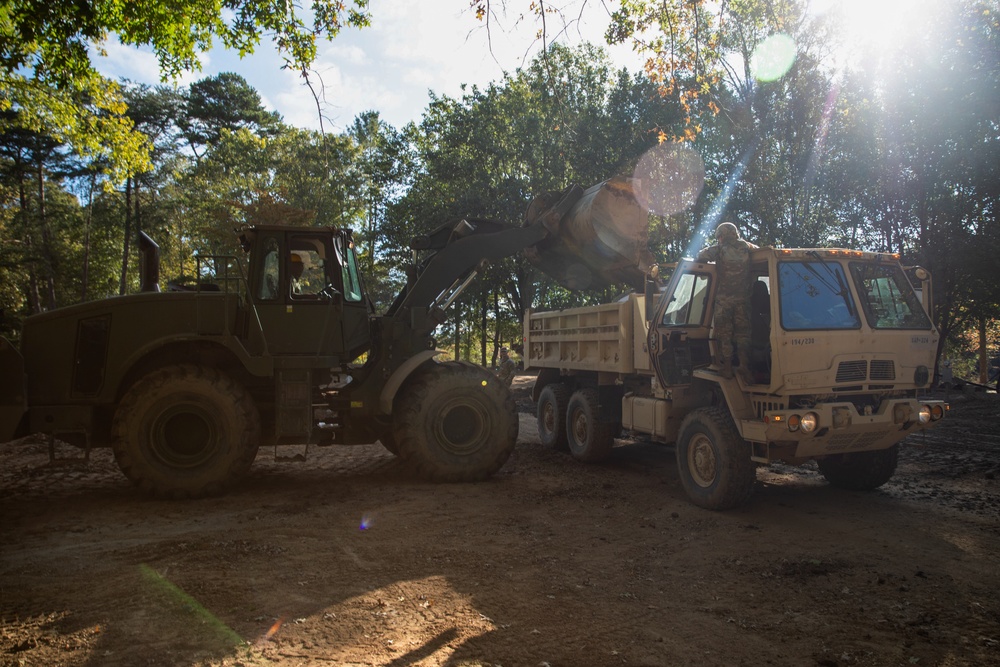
773, 58
366, 522
273, 630
670, 177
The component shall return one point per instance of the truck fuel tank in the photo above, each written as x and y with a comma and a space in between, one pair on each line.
597, 237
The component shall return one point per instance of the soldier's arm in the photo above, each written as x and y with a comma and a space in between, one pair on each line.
709, 254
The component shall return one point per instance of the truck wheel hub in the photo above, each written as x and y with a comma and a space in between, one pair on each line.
701, 461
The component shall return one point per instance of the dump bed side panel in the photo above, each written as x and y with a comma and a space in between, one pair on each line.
598, 338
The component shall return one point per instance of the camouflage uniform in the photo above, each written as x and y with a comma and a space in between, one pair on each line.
732, 298
506, 369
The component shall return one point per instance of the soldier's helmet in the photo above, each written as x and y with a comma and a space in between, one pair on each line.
727, 232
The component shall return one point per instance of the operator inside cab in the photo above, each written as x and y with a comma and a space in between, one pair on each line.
306, 276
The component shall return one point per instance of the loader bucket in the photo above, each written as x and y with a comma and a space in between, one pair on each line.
597, 237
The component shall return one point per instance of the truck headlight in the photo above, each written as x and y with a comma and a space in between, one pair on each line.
924, 415
937, 412
794, 422
810, 421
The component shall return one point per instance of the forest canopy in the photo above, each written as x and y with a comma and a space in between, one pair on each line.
800, 139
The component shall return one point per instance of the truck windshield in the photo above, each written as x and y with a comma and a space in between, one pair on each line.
814, 295
887, 297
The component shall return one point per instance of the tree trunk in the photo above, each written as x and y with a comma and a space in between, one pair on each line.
496, 326
483, 310
128, 235
34, 298
86, 239
458, 332
50, 283
984, 357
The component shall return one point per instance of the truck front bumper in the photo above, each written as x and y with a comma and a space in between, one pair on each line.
837, 428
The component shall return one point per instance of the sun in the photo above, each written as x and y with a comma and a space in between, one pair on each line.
867, 27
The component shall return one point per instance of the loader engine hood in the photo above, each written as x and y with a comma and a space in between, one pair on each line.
597, 237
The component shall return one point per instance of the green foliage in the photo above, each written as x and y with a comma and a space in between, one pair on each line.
899, 151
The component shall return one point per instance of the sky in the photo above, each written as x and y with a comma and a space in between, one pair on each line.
411, 48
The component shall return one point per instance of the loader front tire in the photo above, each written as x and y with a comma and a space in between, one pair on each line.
455, 422
185, 432
714, 461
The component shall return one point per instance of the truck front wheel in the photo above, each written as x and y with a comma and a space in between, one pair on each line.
714, 461
860, 471
185, 432
552, 416
588, 438
455, 423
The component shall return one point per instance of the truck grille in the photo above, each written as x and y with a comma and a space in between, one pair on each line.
852, 371
858, 371
883, 370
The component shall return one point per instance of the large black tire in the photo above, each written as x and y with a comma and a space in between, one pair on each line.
588, 438
388, 441
551, 413
860, 471
455, 422
714, 461
185, 432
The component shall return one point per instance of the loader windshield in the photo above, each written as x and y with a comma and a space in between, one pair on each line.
887, 297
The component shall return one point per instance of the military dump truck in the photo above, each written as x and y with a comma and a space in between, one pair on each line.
841, 349
278, 346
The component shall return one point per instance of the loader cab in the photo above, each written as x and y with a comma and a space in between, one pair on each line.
307, 291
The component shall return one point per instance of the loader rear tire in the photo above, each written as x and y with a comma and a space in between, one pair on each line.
714, 461
455, 422
185, 432
860, 471
551, 415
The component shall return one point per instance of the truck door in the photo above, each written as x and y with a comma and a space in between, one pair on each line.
680, 328
300, 293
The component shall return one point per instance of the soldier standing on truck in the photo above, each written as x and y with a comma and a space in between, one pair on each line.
732, 298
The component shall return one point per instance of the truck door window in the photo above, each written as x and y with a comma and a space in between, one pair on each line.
887, 297
814, 295
269, 274
687, 303
349, 270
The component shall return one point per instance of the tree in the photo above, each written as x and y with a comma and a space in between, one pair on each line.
224, 102
47, 76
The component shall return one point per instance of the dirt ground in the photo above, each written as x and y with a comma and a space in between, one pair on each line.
343, 560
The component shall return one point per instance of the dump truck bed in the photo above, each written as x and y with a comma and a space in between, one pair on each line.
609, 337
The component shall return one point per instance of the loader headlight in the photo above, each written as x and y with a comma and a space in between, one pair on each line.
924, 415
810, 421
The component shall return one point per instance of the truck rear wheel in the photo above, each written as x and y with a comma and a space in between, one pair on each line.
186, 432
455, 423
551, 414
588, 438
714, 461
860, 471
